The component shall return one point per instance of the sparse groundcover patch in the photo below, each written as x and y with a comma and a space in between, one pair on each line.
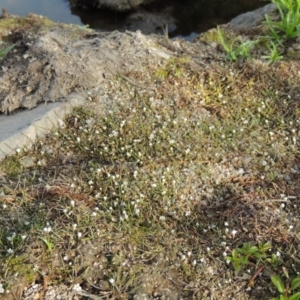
185, 191
151, 188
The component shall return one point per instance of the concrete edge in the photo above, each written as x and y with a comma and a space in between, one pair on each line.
39, 126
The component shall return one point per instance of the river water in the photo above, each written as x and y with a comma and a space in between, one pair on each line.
188, 20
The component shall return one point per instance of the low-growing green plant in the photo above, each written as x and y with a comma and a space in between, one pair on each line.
236, 50
274, 55
3, 52
288, 25
241, 257
287, 289
260, 256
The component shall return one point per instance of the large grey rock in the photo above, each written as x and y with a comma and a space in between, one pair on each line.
253, 18
117, 5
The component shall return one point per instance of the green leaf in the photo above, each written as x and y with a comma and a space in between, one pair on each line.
295, 283
295, 296
278, 283
282, 297
5, 51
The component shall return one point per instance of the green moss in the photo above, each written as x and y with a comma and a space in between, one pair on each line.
173, 67
12, 166
34, 24
19, 265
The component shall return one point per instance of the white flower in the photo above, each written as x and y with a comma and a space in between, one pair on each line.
47, 229
187, 213
233, 233
10, 251
111, 281
79, 235
76, 288
72, 203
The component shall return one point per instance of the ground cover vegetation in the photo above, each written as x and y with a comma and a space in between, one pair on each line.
188, 191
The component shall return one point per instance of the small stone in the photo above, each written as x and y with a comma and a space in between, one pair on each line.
28, 161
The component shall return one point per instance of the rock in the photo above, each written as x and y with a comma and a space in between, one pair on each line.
48, 70
28, 161
148, 22
253, 18
117, 5
59, 60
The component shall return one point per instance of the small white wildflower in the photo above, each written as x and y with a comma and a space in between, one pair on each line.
47, 229
94, 214
226, 224
78, 139
1, 289
188, 213
72, 203
79, 235
76, 288
162, 218
224, 253
90, 182
111, 281
233, 233
282, 205
4, 206
278, 254
207, 249
10, 251
35, 268
74, 226
18, 150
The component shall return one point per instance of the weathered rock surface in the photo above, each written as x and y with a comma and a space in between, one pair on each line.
253, 18
54, 64
50, 65
118, 5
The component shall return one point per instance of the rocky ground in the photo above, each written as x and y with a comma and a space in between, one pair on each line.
178, 180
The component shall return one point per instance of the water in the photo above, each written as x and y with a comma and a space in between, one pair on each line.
189, 19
